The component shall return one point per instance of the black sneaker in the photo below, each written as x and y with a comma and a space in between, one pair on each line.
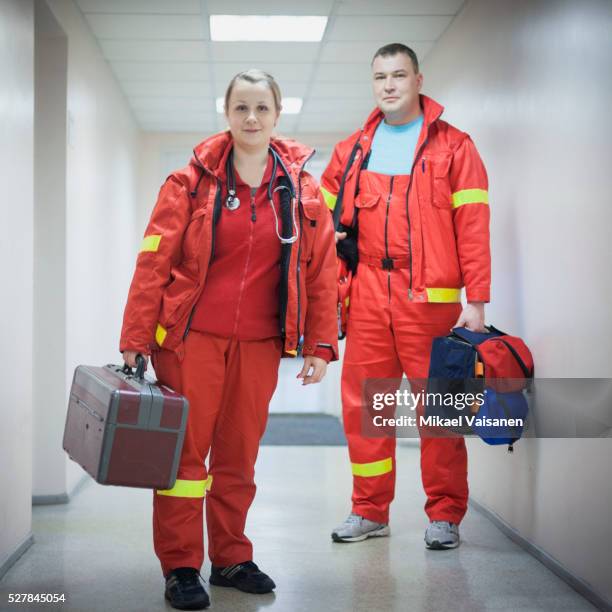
244, 576
184, 589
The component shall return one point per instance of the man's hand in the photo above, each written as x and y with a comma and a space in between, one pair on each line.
472, 317
130, 358
319, 368
340, 236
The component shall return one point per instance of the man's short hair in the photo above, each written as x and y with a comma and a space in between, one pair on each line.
394, 49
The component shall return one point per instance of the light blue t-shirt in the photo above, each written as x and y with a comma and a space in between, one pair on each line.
393, 147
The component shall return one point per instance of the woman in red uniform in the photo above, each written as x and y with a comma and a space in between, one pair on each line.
237, 266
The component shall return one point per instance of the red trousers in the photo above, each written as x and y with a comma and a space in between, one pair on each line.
228, 384
389, 335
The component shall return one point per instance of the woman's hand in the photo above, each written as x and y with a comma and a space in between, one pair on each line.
130, 358
319, 368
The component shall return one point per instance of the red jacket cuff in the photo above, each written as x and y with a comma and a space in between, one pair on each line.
477, 294
324, 352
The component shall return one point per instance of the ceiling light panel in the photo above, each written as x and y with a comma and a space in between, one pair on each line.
269, 7
271, 28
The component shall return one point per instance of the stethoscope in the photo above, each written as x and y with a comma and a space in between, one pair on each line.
233, 202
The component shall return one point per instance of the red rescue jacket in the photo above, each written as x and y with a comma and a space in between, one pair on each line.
447, 206
179, 244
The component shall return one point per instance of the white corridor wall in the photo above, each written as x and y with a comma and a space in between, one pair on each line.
531, 81
16, 210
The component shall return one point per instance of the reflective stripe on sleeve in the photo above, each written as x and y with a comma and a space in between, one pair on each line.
470, 196
330, 198
150, 243
376, 468
188, 488
441, 294
160, 334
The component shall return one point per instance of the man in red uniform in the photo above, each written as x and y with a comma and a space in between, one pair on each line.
410, 194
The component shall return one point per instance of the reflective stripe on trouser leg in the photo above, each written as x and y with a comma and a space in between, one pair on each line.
443, 460
370, 353
178, 517
188, 488
251, 376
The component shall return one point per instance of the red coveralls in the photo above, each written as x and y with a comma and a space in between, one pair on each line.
226, 363
433, 225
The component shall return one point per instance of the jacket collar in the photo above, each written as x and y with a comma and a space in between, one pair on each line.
211, 154
431, 112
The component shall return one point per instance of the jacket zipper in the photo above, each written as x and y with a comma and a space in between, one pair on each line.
414, 161
246, 265
387, 236
212, 252
297, 275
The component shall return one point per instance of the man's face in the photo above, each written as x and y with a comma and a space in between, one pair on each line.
396, 86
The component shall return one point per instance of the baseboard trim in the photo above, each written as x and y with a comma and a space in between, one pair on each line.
16, 555
61, 498
49, 500
580, 586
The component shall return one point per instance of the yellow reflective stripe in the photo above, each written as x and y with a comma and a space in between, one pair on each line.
439, 294
470, 196
160, 334
293, 352
376, 468
330, 198
188, 488
150, 243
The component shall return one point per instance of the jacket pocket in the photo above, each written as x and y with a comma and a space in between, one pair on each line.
192, 238
178, 293
434, 180
367, 200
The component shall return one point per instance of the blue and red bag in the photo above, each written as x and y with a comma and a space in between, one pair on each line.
493, 363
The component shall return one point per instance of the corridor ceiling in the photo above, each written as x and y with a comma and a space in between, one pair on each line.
171, 72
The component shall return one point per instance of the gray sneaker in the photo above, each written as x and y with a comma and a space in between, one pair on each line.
441, 535
356, 528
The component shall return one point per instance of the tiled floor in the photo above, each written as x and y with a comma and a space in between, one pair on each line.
98, 551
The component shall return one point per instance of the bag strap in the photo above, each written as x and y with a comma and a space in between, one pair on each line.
468, 336
338, 207
527, 373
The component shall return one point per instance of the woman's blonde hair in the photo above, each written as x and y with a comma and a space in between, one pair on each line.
254, 75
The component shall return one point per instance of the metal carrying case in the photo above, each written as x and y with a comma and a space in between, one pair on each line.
124, 429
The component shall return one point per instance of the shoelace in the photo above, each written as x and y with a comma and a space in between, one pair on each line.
353, 518
188, 577
232, 570
451, 526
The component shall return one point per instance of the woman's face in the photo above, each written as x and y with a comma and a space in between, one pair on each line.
251, 114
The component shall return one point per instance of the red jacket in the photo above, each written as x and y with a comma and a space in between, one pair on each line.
179, 243
447, 204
